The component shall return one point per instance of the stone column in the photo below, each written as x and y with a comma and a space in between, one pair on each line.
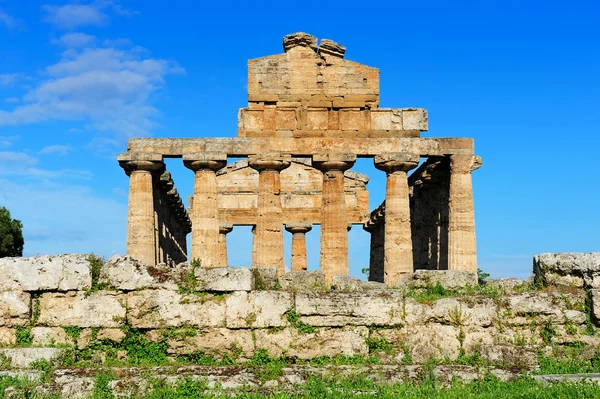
224, 229
334, 223
205, 216
268, 238
462, 250
141, 242
398, 257
298, 231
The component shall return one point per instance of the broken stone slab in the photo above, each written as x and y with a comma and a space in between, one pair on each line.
165, 308
329, 47
45, 273
23, 357
14, 308
347, 283
299, 39
304, 281
258, 309
350, 308
127, 274
569, 268
98, 309
554, 378
224, 279
449, 279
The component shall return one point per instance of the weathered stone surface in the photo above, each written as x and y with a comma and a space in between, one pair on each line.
511, 356
299, 39
8, 336
258, 309
509, 285
99, 309
575, 263
449, 279
303, 281
162, 308
265, 278
347, 283
596, 305
216, 342
14, 308
325, 342
524, 307
24, 357
350, 308
127, 274
49, 336
45, 273
223, 279
460, 312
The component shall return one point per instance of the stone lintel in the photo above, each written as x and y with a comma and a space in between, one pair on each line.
334, 157
363, 147
140, 156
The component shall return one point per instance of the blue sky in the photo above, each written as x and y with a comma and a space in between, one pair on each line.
77, 79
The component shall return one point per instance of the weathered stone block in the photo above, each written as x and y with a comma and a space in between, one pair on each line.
285, 120
457, 312
24, 357
258, 309
223, 279
414, 119
127, 274
509, 285
44, 273
523, 356
423, 342
14, 308
46, 336
352, 120
347, 283
317, 119
162, 308
350, 308
304, 281
265, 278
381, 120
449, 279
325, 342
549, 267
524, 307
216, 342
8, 336
99, 309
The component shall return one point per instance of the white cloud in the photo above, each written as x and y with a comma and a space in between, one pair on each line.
12, 100
75, 40
10, 79
56, 149
8, 21
109, 89
7, 141
25, 166
97, 13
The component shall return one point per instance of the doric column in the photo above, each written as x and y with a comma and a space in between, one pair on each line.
375, 256
268, 238
398, 256
224, 229
141, 240
205, 215
462, 250
334, 223
298, 231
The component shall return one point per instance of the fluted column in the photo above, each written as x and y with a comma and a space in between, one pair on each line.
334, 223
298, 231
398, 254
205, 215
268, 238
224, 229
141, 240
462, 250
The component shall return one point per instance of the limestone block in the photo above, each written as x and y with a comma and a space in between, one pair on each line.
548, 266
476, 337
423, 342
347, 283
381, 119
223, 279
526, 306
265, 278
24, 357
14, 308
127, 274
44, 273
352, 120
258, 309
99, 309
416, 313
414, 119
303, 281
252, 119
285, 120
457, 312
449, 279
8, 336
325, 342
575, 316
163, 308
215, 341
596, 305
509, 284
511, 356
317, 119
383, 308
47, 336
112, 334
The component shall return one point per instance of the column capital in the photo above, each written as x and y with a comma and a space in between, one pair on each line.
396, 161
461, 163
276, 161
205, 161
225, 228
140, 161
298, 227
333, 161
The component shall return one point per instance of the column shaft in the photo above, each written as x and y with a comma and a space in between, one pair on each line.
140, 224
224, 229
298, 231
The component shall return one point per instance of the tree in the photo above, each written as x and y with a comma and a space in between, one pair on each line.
11, 235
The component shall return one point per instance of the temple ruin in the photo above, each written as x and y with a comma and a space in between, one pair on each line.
310, 114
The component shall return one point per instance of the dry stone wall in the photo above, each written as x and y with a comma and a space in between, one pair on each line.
238, 312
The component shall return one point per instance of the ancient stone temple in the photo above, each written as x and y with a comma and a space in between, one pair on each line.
310, 114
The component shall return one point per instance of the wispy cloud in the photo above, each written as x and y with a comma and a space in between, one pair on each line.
72, 16
13, 163
8, 21
75, 40
7, 141
57, 149
10, 79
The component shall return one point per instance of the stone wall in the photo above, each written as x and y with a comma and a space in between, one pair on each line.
239, 311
